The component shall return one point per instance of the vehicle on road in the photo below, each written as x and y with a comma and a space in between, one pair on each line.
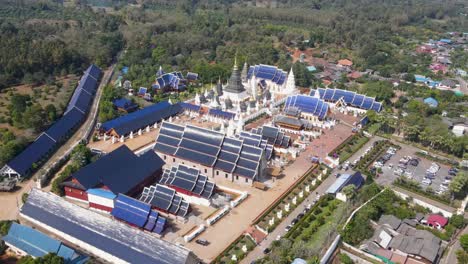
278, 237
266, 251
202, 242
287, 228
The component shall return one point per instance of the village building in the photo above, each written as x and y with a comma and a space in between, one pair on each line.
125, 105
26, 241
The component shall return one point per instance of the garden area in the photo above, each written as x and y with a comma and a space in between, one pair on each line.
292, 198
349, 146
308, 237
236, 251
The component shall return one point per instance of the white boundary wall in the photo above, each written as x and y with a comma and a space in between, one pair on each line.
429, 206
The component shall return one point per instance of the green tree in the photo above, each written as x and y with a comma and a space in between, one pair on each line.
464, 242
459, 184
457, 221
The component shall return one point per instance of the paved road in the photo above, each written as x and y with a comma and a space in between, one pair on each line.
11, 201
463, 85
451, 257
280, 229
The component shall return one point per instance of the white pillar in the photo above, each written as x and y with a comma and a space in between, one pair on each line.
139, 132
122, 139
148, 129
131, 134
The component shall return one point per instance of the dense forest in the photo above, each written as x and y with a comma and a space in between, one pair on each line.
46, 39
43, 40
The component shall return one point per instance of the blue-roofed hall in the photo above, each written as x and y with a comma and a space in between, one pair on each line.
26, 241
109, 240
119, 172
139, 121
45, 144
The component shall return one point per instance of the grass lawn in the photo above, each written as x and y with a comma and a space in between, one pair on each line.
329, 229
237, 250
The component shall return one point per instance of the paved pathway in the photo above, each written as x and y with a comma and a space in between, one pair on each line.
451, 257
280, 229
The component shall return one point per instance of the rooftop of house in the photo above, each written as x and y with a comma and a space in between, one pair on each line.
390, 221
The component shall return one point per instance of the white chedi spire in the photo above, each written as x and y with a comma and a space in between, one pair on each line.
169, 101
291, 82
206, 93
197, 99
253, 89
240, 124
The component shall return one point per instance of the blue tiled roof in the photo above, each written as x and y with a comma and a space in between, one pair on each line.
131, 210
140, 119
125, 104
120, 171
102, 193
267, 72
102, 233
37, 244
345, 180
308, 104
77, 109
431, 101
32, 154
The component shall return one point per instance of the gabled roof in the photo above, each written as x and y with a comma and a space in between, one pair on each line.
103, 234
210, 148
188, 179
142, 118
37, 244
120, 171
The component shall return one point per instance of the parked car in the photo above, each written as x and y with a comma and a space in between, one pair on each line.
448, 178
202, 242
266, 251
414, 162
390, 165
287, 228
308, 206
300, 215
294, 221
452, 172
426, 181
278, 237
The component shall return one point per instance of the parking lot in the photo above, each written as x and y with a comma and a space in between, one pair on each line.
417, 173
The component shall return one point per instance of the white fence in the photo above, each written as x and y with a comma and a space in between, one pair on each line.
217, 216
194, 233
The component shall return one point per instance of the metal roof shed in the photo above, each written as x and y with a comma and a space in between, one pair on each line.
105, 238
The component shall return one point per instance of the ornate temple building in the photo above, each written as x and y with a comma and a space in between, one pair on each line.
249, 90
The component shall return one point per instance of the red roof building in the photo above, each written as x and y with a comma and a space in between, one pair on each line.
345, 62
437, 221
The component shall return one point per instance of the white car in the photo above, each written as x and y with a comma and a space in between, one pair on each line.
447, 181
390, 165
278, 237
426, 182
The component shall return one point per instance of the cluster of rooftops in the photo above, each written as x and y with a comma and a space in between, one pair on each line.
105, 237
209, 148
